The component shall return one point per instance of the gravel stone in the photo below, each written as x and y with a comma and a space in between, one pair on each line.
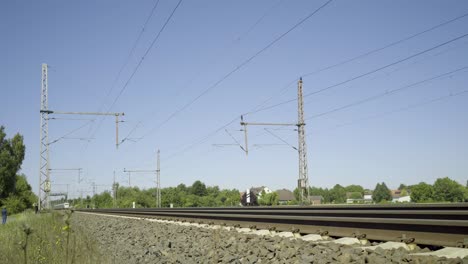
130, 240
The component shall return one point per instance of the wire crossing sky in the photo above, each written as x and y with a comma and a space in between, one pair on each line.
384, 84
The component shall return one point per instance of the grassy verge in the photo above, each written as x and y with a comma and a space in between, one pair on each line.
46, 238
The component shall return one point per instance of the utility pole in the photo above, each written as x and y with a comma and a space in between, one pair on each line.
81, 197
158, 179
44, 160
93, 185
44, 173
303, 178
158, 182
114, 191
303, 181
128, 176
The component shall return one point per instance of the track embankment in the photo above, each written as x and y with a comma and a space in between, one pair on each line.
135, 240
428, 224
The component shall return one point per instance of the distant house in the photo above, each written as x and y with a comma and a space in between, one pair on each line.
316, 199
251, 195
402, 199
285, 196
399, 197
354, 197
368, 198
395, 193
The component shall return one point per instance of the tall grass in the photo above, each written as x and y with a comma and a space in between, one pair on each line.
47, 238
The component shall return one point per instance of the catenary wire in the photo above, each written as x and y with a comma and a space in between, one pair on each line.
139, 63
365, 54
388, 65
69, 133
402, 109
130, 54
217, 83
234, 41
349, 80
380, 95
348, 60
362, 75
387, 93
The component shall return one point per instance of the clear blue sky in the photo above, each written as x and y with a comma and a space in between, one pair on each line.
85, 43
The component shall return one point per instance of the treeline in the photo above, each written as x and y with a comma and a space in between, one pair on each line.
199, 195
15, 191
443, 190
196, 195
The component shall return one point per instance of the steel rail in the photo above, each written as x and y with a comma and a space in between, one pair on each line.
438, 225
407, 214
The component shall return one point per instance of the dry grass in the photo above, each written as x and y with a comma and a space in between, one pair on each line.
46, 238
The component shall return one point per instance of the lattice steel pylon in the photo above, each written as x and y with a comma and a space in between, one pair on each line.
303, 181
44, 166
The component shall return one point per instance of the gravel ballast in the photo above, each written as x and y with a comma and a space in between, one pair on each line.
132, 240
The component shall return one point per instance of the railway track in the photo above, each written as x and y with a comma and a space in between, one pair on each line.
427, 224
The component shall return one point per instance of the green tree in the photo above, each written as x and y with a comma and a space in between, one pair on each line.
229, 197
355, 195
381, 193
24, 191
192, 200
198, 188
325, 193
447, 190
21, 198
11, 157
338, 194
126, 196
103, 200
268, 198
15, 191
182, 188
404, 192
422, 192
212, 191
172, 196
354, 189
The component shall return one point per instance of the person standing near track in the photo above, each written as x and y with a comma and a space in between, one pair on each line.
4, 215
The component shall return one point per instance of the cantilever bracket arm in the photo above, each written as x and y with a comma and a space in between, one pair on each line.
84, 113
93, 113
245, 124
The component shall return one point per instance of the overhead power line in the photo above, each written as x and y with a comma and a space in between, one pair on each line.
240, 66
362, 75
383, 94
402, 109
234, 41
387, 93
360, 56
282, 140
144, 55
204, 139
130, 54
256, 108
69, 133
386, 46
140, 62
135, 44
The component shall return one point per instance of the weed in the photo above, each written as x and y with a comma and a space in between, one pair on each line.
47, 238
27, 231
